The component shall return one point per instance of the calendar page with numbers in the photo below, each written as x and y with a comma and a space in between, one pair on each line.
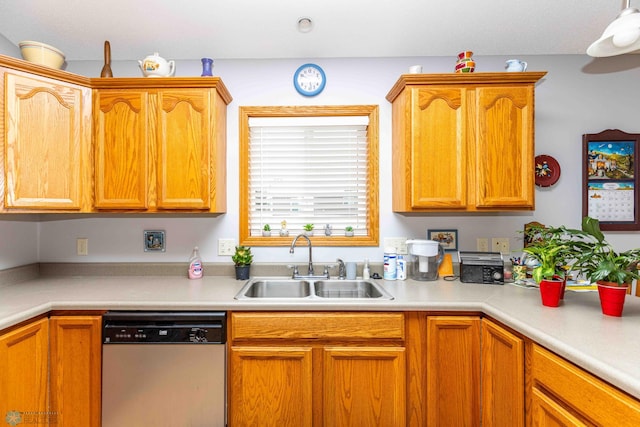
612, 201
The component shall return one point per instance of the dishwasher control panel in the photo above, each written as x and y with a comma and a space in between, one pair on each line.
164, 327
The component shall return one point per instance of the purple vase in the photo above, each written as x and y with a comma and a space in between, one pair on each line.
207, 65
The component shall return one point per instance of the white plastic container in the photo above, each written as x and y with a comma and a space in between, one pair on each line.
402, 268
195, 265
390, 264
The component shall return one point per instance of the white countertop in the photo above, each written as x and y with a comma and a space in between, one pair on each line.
577, 330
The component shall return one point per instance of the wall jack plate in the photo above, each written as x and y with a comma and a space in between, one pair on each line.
82, 246
500, 244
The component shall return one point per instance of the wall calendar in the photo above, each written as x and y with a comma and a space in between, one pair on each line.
610, 179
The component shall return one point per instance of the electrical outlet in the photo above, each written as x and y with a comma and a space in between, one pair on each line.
82, 246
500, 244
226, 246
482, 244
400, 243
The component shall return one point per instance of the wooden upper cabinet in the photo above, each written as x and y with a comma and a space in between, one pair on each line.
183, 143
504, 147
160, 145
121, 149
463, 142
45, 144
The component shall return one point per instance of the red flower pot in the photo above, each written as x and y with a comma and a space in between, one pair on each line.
611, 299
551, 291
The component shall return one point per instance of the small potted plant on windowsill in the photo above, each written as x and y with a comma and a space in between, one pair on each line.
348, 231
266, 230
308, 229
612, 271
242, 259
552, 248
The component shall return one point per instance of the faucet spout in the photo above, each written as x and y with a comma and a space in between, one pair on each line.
293, 245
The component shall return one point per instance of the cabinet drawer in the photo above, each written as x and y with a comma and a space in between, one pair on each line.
580, 391
317, 325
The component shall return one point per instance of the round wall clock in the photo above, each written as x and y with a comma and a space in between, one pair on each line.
309, 79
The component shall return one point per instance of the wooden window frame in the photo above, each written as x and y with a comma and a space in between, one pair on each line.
318, 239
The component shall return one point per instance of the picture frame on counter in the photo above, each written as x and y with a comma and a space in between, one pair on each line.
448, 239
610, 173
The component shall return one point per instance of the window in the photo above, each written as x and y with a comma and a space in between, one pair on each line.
309, 165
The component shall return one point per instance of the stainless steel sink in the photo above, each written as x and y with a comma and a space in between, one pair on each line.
275, 288
349, 289
309, 290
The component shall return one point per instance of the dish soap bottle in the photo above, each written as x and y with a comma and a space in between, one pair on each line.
366, 273
195, 265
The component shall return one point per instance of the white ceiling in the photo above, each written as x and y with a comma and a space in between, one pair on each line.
225, 29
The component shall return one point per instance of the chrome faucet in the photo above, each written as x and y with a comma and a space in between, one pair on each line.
342, 270
293, 244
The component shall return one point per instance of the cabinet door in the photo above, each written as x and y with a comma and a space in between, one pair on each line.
270, 387
439, 147
453, 371
23, 375
504, 148
588, 398
47, 143
545, 412
502, 377
364, 386
121, 149
76, 349
184, 148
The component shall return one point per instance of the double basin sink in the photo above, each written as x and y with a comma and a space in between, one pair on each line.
312, 289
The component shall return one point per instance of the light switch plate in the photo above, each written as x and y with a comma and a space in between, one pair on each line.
226, 247
482, 244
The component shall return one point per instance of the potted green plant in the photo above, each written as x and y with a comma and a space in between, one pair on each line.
242, 259
553, 249
612, 271
348, 231
266, 230
308, 229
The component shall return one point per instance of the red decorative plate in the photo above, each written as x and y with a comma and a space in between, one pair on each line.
547, 171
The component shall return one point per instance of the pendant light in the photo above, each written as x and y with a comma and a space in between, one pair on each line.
621, 36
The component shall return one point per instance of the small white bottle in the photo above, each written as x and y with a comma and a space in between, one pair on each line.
195, 265
366, 273
402, 268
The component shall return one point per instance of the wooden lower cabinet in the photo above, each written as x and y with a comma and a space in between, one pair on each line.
561, 394
463, 370
24, 374
317, 369
502, 377
453, 371
50, 372
75, 374
271, 386
364, 386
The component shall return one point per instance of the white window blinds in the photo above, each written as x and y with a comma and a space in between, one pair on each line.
308, 170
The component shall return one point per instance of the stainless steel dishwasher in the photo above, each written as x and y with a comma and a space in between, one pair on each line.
164, 369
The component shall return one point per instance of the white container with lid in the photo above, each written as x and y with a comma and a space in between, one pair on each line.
390, 263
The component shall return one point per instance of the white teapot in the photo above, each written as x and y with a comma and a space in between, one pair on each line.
156, 66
